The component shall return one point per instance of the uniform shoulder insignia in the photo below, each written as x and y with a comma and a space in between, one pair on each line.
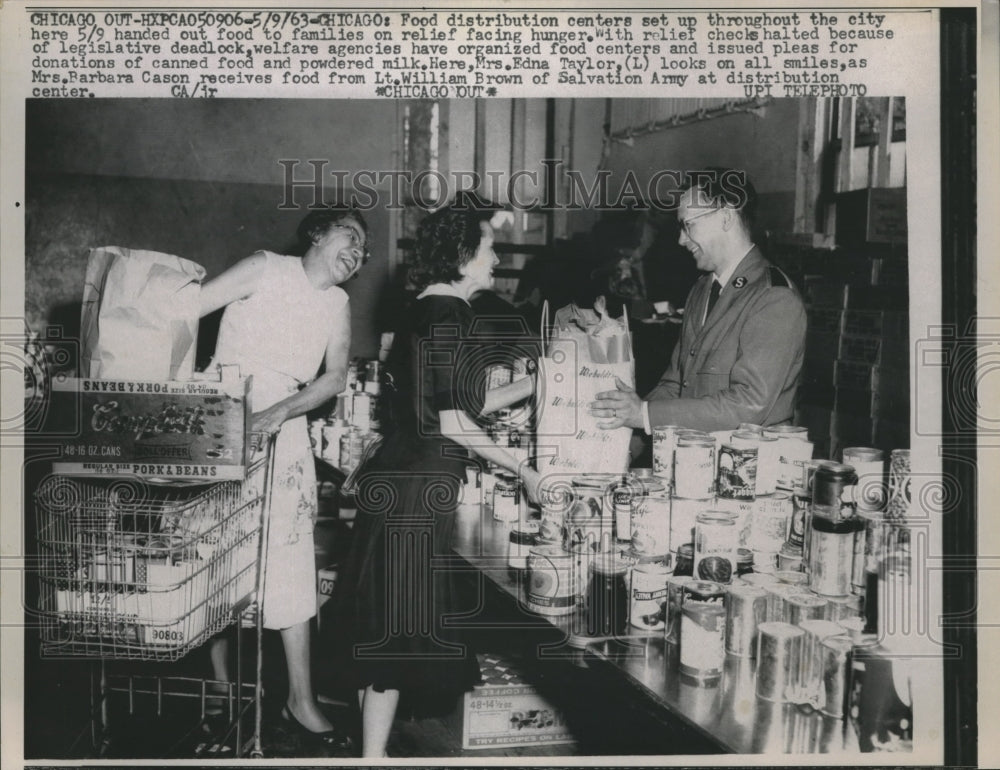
777, 277
740, 282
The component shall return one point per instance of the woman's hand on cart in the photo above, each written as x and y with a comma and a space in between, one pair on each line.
269, 421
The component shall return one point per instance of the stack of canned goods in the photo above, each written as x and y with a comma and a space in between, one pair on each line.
353, 423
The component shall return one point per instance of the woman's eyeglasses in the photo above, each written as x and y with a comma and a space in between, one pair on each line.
357, 241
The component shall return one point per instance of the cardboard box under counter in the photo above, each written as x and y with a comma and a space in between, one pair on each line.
507, 711
193, 430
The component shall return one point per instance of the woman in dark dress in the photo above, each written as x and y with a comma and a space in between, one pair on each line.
395, 586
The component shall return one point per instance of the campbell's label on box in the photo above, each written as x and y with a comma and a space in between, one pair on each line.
193, 430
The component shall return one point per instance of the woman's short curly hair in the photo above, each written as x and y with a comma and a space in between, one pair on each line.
318, 221
446, 240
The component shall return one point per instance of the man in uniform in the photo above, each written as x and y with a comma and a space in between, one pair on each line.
743, 336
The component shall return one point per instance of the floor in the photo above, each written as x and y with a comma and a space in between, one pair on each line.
58, 693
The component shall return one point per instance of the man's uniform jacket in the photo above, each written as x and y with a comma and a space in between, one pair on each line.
742, 363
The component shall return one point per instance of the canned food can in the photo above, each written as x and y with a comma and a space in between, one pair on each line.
750, 427
715, 542
741, 512
801, 504
765, 562
648, 597
777, 600
794, 432
833, 489
684, 560
362, 408
664, 444
607, 597
790, 558
831, 555
332, 432
810, 675
549, 590
900, 498
683, 515
647, 484
675, 604
582, 554
594, 490
650, 525
622, 495
768, 456
506, 498
351, 448
760, 579
344, 408
803, 606
769, 522
737, 476
746, 609
585, 525
501, 436
875, 539
792, 454
352, 375
694, 467
704, 591
792, 577
836, 655
840, 608
373, 377
519, 545
869, 464
703, 627
551, 529
744, 562
858, 560
489, 483
779, 650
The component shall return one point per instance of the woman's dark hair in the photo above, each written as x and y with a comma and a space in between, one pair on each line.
446, 240
316, 223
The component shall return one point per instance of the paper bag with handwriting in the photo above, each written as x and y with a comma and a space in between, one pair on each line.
582, 358
139, 319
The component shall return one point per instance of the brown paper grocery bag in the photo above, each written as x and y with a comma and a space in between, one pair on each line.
575, 368
139, 319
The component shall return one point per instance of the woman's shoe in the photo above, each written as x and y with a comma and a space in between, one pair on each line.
330, 739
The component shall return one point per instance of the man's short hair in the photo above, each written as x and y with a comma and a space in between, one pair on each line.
727, 187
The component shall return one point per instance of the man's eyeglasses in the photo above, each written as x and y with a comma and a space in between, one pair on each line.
686, 223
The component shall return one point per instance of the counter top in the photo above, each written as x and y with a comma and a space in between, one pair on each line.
729, 714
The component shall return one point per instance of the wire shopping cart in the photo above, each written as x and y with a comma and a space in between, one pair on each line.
132, 569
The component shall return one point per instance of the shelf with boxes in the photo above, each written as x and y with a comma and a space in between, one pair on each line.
854, 387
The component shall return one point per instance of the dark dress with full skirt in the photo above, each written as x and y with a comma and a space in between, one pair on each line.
398, 585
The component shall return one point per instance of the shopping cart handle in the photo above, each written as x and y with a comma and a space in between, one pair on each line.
258, 440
